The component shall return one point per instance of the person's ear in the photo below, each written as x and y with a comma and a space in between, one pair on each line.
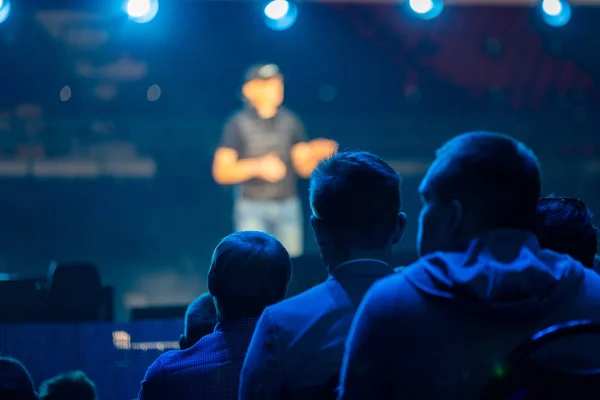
182, 343
456, 216
320, 236
400, 227
249, 90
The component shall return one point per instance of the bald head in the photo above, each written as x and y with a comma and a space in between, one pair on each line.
495, 180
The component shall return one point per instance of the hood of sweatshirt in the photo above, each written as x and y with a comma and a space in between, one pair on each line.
503, 271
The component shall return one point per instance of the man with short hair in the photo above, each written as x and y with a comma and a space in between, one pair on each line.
249, 271
200, 320
68, 386
297, 349
15, 381
564, 225
263, 150
444, 325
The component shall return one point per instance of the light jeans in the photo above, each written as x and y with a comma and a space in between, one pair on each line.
280, 218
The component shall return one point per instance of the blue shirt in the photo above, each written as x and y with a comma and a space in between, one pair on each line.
208, 370
299, 342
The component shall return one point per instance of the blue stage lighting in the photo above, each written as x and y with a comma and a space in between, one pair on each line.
4, 10
426, 9
556, 12
280, 14
141, 11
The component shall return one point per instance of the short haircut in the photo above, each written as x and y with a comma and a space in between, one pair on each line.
493, 175
68, 386
200, 319
356, 197
564, 225
249, 271
15, 381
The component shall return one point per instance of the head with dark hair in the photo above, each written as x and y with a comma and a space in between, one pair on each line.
249, 271
15, 381
200, 320
355, 202
564, 225
68, 386
479, 181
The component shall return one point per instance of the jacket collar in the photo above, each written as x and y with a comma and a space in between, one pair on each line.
361, 267
238, 324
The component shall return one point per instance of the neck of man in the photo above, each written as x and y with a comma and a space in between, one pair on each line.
266, 112
337, 258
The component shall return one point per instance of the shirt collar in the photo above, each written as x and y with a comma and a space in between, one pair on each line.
254, 114
236, 324
361, 267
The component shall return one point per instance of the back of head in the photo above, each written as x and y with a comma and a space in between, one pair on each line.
249, 271
200, 320
496, 179
355, 201
15, 381
564, 225
69, 386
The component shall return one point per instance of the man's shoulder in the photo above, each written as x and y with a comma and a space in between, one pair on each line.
303, 303
287, 113
400, 269
237, 116
397, 283
166, 363
202, 352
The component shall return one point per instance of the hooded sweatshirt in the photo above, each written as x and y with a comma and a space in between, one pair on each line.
443, 325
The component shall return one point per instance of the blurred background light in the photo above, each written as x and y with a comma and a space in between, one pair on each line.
4, 10
556, 12
65, 94
280, 14
426, 9
421, 6
154, 92
141, 11
277, 9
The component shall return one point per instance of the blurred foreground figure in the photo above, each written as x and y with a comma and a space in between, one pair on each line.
564, 225
69, 386
200, 320
249, 271
297, 349
15, 381
442, 327
263, 149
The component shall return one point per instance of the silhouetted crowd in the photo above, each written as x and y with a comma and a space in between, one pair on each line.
498, 266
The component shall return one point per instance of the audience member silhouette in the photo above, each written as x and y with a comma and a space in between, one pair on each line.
200, 320
249, 271
564, 225
15, 381
73, 385
483, 285
297, 349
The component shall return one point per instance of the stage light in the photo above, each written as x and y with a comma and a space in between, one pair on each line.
421, 6
141, 11
280, 14
426, 9
277, 9
556, 12
4, 10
